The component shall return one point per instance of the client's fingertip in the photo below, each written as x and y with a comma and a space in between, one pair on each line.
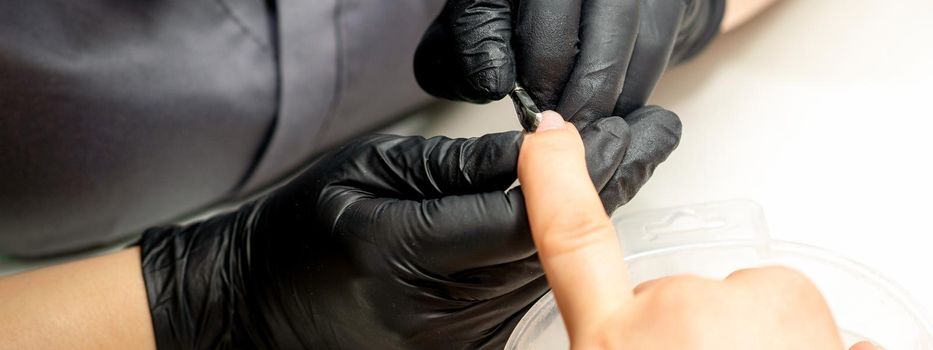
866, 345
551, 120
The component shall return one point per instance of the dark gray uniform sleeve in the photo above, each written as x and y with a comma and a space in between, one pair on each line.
115, 116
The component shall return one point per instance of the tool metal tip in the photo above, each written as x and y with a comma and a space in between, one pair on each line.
528, 113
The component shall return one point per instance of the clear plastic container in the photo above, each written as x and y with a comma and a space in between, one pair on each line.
716, 239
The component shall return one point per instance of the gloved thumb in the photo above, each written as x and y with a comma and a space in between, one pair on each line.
575, 240
466, 54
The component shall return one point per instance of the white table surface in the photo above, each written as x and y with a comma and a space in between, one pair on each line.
819, 111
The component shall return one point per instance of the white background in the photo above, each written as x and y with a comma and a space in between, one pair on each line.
819, 110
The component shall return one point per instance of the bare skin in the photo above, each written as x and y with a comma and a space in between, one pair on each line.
740, 11
765, 308
96, 303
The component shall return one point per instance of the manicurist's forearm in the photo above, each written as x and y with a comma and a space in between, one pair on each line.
96, 303
740, 11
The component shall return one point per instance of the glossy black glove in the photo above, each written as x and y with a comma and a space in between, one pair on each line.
582, 58
386, 243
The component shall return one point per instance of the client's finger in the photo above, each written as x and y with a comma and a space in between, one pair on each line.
865, 345
576, 242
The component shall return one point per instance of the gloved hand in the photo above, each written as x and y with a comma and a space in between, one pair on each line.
388, 242
584, 59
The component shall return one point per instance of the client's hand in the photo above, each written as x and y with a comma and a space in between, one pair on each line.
765, 308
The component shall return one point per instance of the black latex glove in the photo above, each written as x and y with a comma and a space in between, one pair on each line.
581, 58
389, 242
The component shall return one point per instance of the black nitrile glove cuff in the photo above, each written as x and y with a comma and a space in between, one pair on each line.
193, 283
700, 25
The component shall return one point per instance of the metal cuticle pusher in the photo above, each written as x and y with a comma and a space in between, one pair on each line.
528, 113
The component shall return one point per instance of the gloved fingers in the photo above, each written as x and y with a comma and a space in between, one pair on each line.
698, 26
436, 64
418, 168
490, 282
485, 324
546, 39
608, 30
504, 313
500, 336
605, 142
456, 233
473, 231
655, 134
653, 48
483, 32
474, 165
466, 53
445, 244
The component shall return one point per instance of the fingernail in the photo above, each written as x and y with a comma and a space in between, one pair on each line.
550, 120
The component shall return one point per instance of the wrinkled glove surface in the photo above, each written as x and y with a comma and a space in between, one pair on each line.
389, 242
582, 58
